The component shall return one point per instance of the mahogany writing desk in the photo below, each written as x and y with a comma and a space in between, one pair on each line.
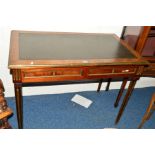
59, 57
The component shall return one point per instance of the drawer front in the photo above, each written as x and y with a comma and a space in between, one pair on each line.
124, 70
75, 73
113, 70
70, 72
51, 74
99, 71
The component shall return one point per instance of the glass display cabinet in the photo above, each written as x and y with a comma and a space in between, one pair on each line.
142, 39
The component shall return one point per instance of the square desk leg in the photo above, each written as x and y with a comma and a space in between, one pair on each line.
19, 104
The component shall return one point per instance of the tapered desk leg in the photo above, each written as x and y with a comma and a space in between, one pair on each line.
125, 101
99, 85
108, 84
19, 104
120, 92
149, 111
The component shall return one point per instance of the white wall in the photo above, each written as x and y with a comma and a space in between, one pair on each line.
54, 15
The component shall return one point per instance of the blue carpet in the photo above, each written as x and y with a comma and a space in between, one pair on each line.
59, 112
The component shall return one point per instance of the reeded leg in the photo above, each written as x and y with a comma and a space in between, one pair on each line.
125, 101
99, 85
120, 92
19, 104
108, 84
148, 112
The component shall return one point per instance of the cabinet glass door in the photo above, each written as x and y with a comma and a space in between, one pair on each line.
131, 34
149, 47
140, 38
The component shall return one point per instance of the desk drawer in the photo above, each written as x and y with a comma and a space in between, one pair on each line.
99, 71
51, 74
124, 70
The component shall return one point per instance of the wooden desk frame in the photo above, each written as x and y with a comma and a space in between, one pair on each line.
33, 72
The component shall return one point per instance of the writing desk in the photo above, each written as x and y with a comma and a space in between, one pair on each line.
59, 57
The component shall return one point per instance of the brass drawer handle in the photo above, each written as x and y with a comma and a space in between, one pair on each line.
125, 71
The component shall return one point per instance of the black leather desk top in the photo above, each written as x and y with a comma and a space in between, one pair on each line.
66, 46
